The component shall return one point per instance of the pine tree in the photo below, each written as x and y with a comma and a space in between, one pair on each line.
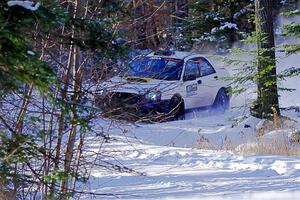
20, 71
220, 23
256, 66
292, 30
267, 97
19, 63
47, 51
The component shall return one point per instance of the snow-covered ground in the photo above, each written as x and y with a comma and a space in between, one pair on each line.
168, 163
190, 173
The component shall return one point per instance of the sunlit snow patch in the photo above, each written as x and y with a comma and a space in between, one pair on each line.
29, 5
30, 53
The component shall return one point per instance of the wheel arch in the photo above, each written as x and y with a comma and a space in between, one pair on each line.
226, 92
225, 89
178, 96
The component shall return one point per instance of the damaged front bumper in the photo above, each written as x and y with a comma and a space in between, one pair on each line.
119, 103
161, 106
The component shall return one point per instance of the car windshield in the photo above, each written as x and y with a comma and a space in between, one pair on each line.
156, 68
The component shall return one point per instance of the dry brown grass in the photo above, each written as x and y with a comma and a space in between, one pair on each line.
205, 143
274, 146
278, 142
284, 148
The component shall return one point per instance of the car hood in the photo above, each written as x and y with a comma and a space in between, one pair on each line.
138, 85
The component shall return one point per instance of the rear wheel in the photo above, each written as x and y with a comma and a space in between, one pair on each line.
221, 102
176, 108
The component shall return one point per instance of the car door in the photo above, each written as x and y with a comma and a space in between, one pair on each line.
209, 82
190, 86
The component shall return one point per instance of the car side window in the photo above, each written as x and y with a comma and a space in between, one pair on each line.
192, 69
206, 68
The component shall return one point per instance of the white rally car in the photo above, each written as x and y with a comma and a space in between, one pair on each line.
168, 83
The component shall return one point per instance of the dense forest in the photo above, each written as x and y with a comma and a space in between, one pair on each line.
53, 54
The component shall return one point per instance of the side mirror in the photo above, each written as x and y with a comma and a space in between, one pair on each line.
190, 77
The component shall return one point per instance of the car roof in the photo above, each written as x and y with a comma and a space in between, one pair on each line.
175, 54
185, 55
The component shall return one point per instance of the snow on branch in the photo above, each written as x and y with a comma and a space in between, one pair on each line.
29, 5
243, 11
229, 25
225, 25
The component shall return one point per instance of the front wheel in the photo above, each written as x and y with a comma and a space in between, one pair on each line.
221, 102
176, 109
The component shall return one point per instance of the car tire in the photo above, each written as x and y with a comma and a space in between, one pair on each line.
176, 108
222, 101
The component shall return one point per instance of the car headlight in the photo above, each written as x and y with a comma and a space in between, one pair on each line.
101, 92
153, 96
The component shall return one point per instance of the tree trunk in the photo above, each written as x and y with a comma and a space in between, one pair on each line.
76, 87
151, 26
181, 12
139, 27
267, 79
